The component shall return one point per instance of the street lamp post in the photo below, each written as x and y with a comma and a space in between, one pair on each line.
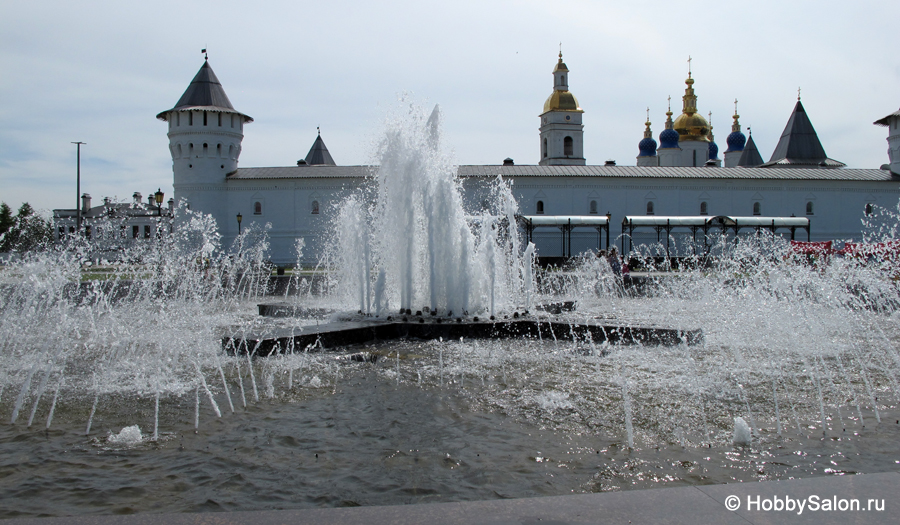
239, 218
159, 199
78, 186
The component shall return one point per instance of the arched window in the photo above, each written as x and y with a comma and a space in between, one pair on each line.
191, 149
257, 208
757, 209
593, 207
218, 150
869, 209
545, 148
315, 207
704, 209
179, 151
562, 80
205, 147
568, 147
649, 207
809, 208
539, 208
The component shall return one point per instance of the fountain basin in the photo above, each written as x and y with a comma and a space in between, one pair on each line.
363, 330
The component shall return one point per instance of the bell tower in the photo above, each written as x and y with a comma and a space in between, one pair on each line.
562, 134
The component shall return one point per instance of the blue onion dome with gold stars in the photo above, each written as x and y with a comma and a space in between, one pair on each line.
713, 147
736, 140
669, 137
647, 146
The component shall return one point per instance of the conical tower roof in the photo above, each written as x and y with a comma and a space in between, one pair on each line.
204, 92
799, 144
318, 154
750, 157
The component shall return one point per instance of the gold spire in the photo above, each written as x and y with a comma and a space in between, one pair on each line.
560, 65
561, 99
647, 133
736, 127
669, 123
690, 125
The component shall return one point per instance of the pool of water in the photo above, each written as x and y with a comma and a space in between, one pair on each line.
428, 422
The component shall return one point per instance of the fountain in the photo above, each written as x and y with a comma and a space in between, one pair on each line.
118, 396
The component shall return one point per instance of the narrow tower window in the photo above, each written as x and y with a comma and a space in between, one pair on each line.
757, 209
220, 119
177, 119
539, 209
568, 147
190, 118
545, 148
809, 208
204, 118
704, 210
232, 121
257, 208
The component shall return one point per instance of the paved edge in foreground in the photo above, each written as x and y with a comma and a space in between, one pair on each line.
694, 504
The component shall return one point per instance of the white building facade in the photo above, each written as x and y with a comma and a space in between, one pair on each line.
681, 177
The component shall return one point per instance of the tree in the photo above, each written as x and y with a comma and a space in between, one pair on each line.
6, 218
27, 231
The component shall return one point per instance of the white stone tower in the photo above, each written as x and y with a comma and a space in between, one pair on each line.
205, 134
892, 122
562, 134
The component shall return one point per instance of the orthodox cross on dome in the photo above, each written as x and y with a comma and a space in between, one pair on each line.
670, 102
735, 106
560, 50
689, 65
648, 112
798, 93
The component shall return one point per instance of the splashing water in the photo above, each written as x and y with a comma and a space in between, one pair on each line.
415, 245
108, 332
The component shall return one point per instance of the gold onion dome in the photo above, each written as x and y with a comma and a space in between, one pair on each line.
561, 100
690, 125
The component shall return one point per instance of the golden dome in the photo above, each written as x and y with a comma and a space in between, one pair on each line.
692, 126
562, 101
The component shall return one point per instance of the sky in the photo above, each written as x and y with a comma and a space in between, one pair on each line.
100, 71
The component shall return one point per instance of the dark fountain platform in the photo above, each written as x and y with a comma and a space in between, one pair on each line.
357, 329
